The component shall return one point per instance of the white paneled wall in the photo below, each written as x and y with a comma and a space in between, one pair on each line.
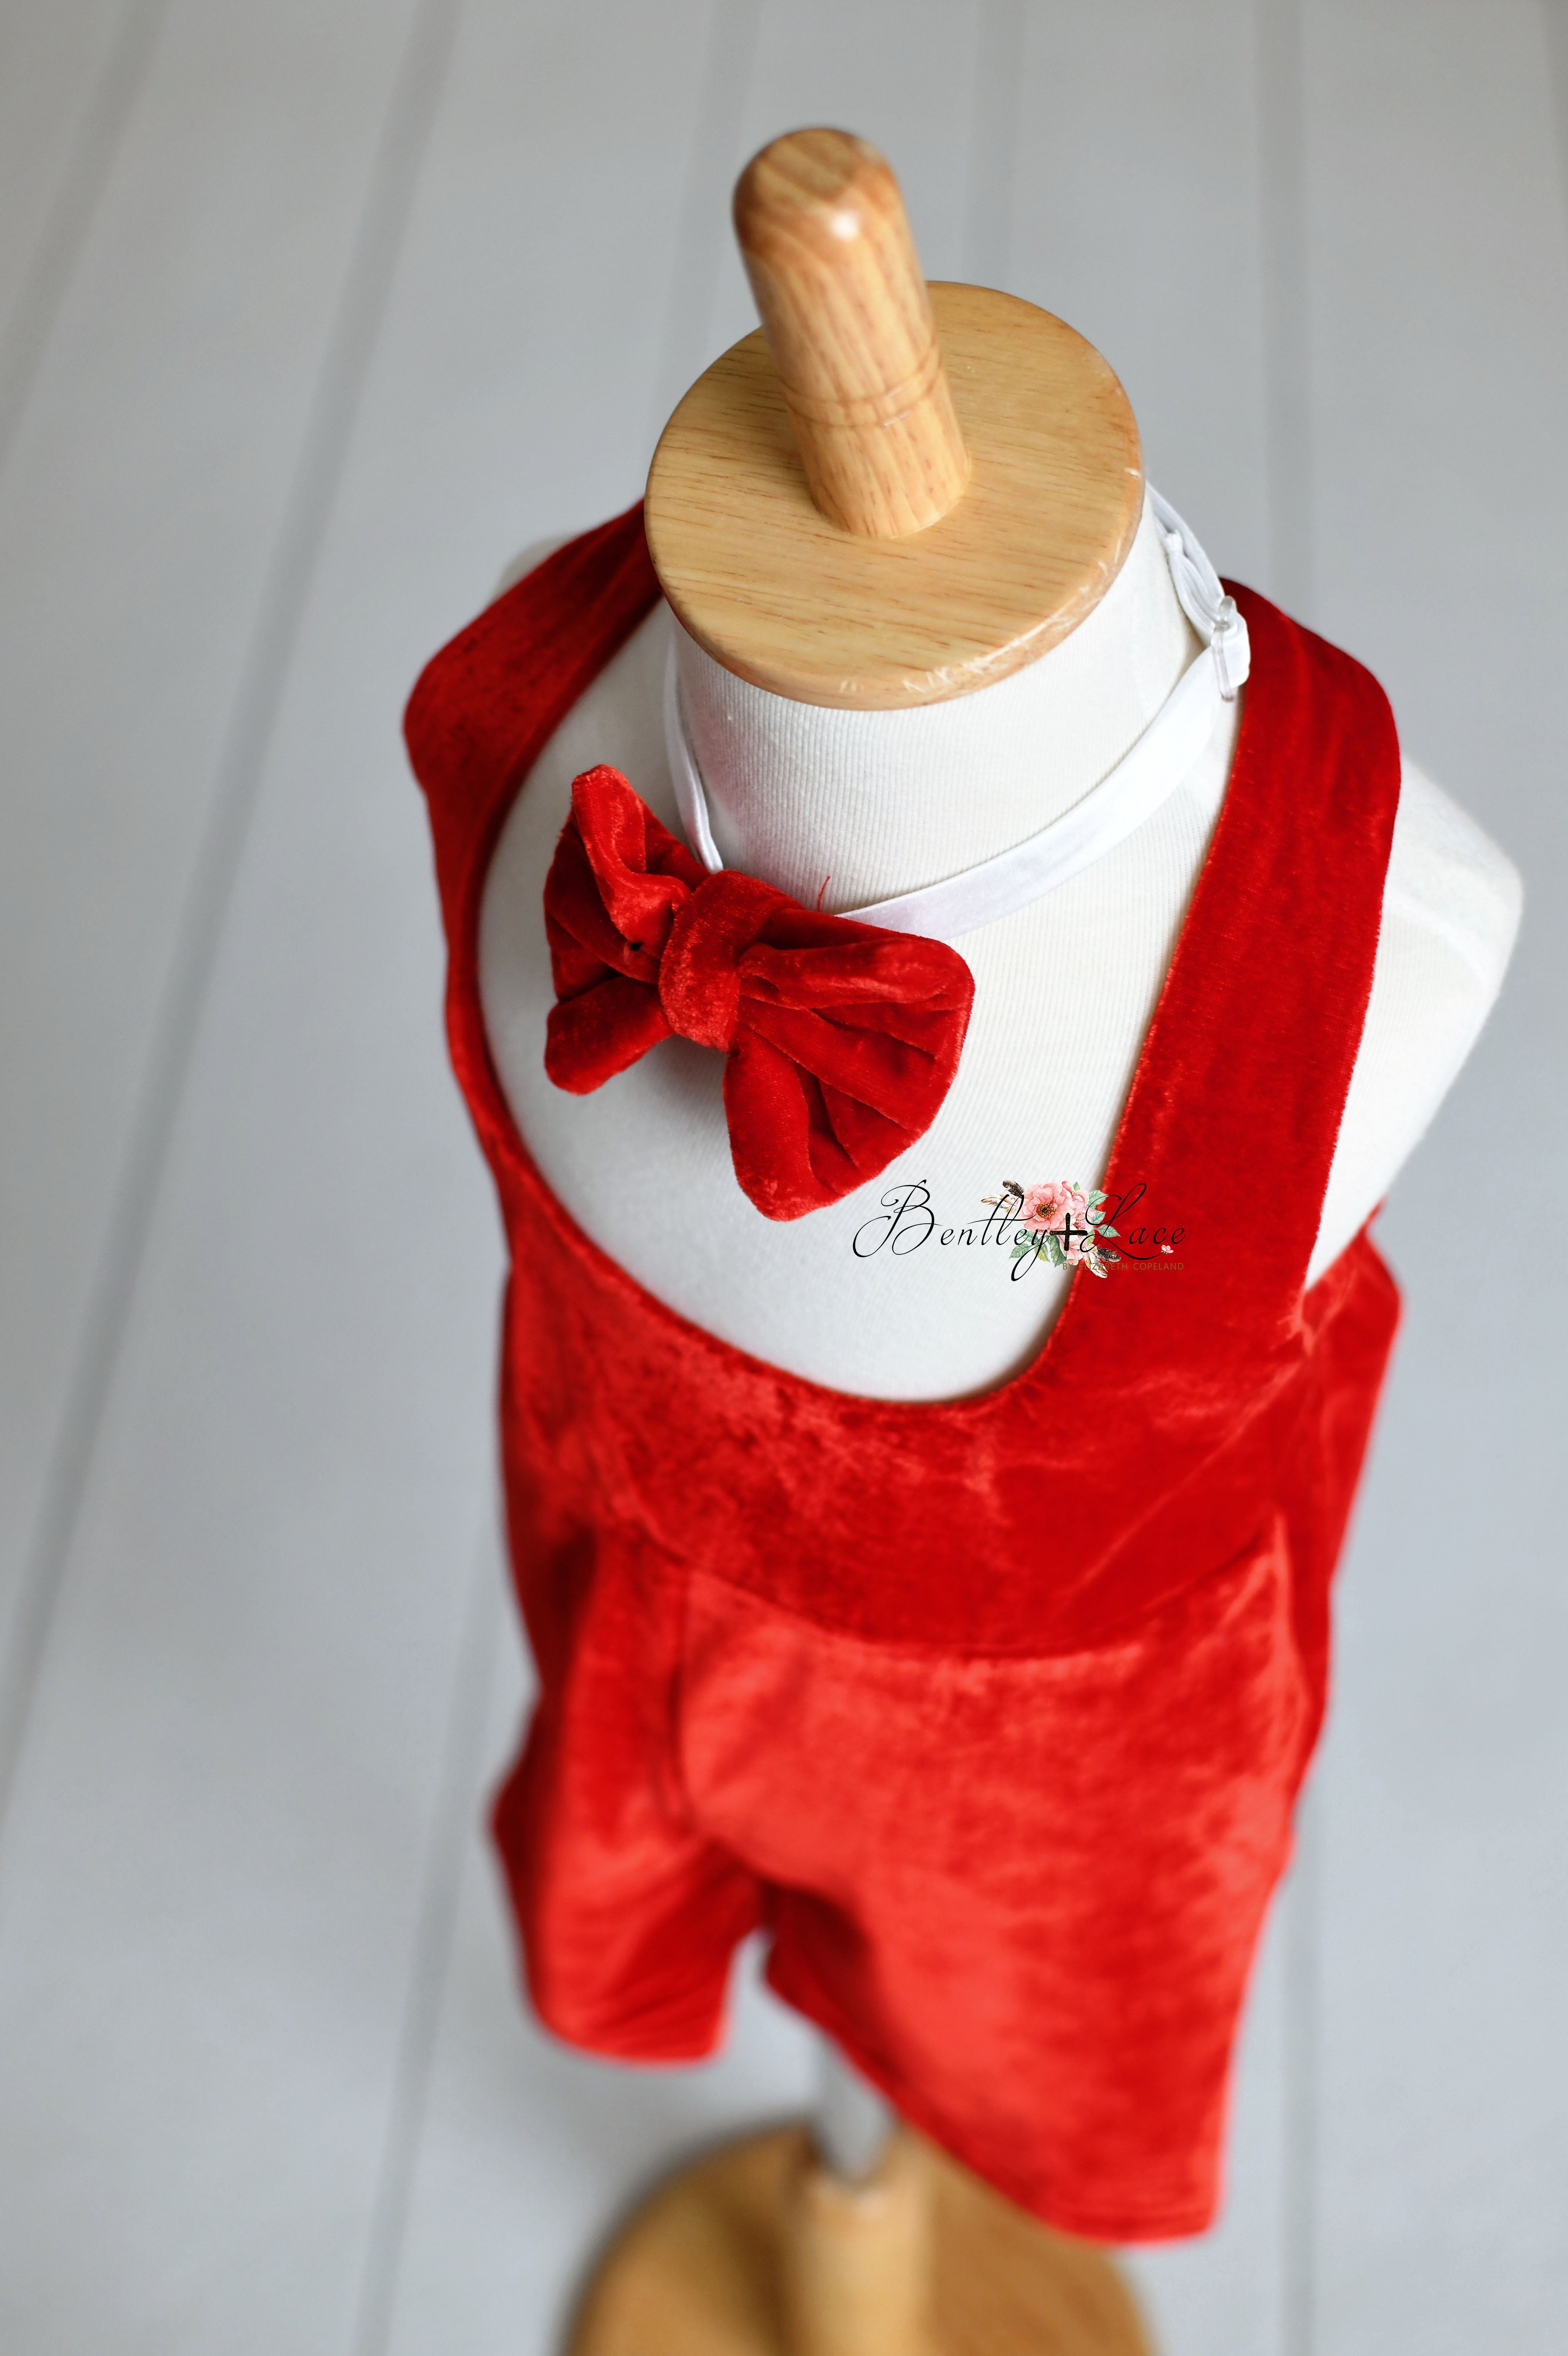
151, 486
310, 316
1440, 346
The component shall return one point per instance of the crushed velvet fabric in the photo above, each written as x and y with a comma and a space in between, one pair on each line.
840, 1040
990, 1714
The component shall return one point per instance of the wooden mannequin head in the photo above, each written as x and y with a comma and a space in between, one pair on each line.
890, 494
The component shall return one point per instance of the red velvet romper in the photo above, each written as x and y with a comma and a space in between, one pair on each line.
990, 1714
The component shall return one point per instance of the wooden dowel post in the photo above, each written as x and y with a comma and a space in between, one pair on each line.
850, 2120
858, 2259
832, 267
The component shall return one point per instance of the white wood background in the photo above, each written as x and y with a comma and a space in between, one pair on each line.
310, 313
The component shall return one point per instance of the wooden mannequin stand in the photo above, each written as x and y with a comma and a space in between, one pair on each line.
761, 2251
886, 498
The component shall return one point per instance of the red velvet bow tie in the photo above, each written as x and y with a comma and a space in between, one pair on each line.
841, 1039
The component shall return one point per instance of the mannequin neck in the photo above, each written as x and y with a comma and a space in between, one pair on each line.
875, 803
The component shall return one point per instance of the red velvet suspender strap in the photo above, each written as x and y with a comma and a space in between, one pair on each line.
480, 715
485, 706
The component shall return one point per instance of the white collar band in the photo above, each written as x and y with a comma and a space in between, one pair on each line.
1141, 781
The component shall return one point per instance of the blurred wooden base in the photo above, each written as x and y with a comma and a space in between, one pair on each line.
754, 2251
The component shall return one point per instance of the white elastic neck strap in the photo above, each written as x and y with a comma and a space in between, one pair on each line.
1116, 808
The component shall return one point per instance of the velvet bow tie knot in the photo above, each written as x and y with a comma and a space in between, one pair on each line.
699, 979
840, 1039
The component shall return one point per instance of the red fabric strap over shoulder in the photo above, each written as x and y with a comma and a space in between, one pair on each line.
482, 711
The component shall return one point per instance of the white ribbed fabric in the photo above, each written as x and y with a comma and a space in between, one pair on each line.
871, 804
1146, 776
863, 808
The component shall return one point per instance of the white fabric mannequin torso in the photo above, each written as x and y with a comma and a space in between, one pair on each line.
858, 806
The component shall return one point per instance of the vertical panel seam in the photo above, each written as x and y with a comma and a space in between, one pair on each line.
1002, 37
703, 221
71, 216
307, 509
1288, 327
434, 1930
1554, 31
